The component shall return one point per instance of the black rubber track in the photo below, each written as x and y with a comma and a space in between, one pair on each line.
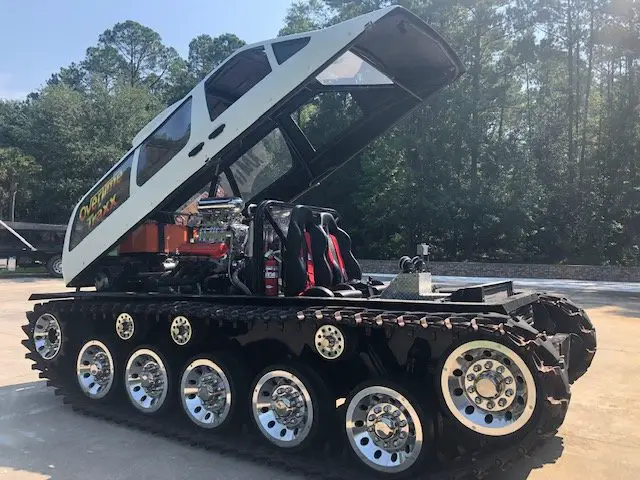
567, 317
80, 319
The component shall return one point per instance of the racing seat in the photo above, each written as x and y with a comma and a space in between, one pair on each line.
306, 270
345, 268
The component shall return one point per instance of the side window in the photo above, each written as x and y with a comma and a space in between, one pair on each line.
235, 78
262, 164
102, 201
163, 144
287, 48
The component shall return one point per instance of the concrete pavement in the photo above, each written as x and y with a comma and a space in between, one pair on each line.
41, 439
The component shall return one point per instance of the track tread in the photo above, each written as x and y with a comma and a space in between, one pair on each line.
467, 464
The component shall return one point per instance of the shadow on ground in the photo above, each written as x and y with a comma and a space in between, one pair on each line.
41, 438
547, 454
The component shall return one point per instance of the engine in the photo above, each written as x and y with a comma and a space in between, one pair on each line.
213, 260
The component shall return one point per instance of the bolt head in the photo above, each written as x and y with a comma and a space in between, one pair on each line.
478, 400
490, 405
371, 418
402, 423
488, 365
387, 408
471, 389
396, 413
509, 392
508, 380
377, 410
471, 377
477, 368
502, 402
500, 369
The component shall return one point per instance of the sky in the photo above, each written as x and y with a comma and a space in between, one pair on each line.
37, 37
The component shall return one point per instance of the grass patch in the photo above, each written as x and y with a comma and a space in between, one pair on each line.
24, 271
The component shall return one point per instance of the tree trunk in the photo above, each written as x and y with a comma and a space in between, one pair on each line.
585, 113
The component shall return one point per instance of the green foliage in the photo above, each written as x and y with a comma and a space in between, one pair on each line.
533, 155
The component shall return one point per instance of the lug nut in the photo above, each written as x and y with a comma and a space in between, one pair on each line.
387, 408
500, 369
396, 413
471, 389
508, 380
478, 400
490, 405
402, 423
377, 410
371, 418
288, 390
403, 434
477, 368
370, 429
488, 365
509, 392
395, 443
471, 377
502, 402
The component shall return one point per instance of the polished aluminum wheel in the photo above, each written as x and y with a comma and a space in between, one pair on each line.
95, 369
206, 393
125, 326
488, 388
282, 408
146, 380
47, 336
384, 429
329, 342
181, 330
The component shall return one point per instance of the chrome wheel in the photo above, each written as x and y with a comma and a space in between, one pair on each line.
488, 388
181, 330
147, 380
95, 369
329, 342
125, 326
384, 429
47, 336
282, 408
206, 393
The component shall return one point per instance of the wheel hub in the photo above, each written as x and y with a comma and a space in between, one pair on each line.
486, 383
125, 326
212, 392
286, 403
330, 342
151, 379
181, 330
100, 368
388, 426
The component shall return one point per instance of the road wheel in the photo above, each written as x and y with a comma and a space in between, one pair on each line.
290, 406
148, 381
213, 391
388, 430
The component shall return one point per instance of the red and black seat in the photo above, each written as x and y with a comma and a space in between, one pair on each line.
307, 269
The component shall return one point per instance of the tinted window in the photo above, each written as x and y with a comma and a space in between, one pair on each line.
262, 164
287, 48
235, 78
102, 201
163, 144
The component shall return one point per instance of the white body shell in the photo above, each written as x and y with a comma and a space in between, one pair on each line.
322, 47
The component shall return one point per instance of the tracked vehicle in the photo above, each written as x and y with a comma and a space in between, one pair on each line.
213, 307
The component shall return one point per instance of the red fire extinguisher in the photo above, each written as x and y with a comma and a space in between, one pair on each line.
271, 275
